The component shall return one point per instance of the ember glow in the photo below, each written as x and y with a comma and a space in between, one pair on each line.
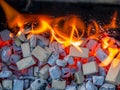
67, 30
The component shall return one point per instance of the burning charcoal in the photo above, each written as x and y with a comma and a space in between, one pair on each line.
22, 37
52, 59
25, 49
55, 72
5, 35
61, 63
5, 74
69, 60
36, 69
90, 68
25, 63
26, 84
92, 58
40, 54
79, 78
33, 41
84, 52
98, 80
44, 40
107, 86
100, 54
113, 75
56, 47
70, 87
5, 53
58, 84
90, 86
7, 84
27, 77
18, 84
82, 87
44, 72
65, 72
38, 84
14, 58
17, 42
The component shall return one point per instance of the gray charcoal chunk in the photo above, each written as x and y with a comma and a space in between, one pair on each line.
107, 86
26, 84
38, 84
18, 84
102, 71
5, 53
70, 87
90, 86
5, 35
82, 87
55, 72
14, 58
33, 41
52, 59
5, 74
98, 80
61, 63
65, 72
69, 60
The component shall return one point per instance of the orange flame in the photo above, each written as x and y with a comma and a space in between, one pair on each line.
113, 23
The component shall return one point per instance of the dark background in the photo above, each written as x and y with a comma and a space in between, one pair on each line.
87, 11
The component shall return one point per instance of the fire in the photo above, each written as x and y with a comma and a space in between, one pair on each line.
67, 30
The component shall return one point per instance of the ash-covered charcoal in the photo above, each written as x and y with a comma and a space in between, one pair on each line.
100, 54
18, 84
1, 88
90, 68
107, 86
22, 37
17, 42
69, 60
27, 77
15, 58
70, 87
65, 72
90, 86
55, 72
5, 53
44, 72
7, 85
102, 71
44, 41
5, 74
38, 84
52, 59
56, 47
79, 78
26, 84
33, 41
98, 80
5, 35
58, 84
61, 63
82, 87
36, 70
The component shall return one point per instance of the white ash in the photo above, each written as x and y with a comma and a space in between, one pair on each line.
55, 72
